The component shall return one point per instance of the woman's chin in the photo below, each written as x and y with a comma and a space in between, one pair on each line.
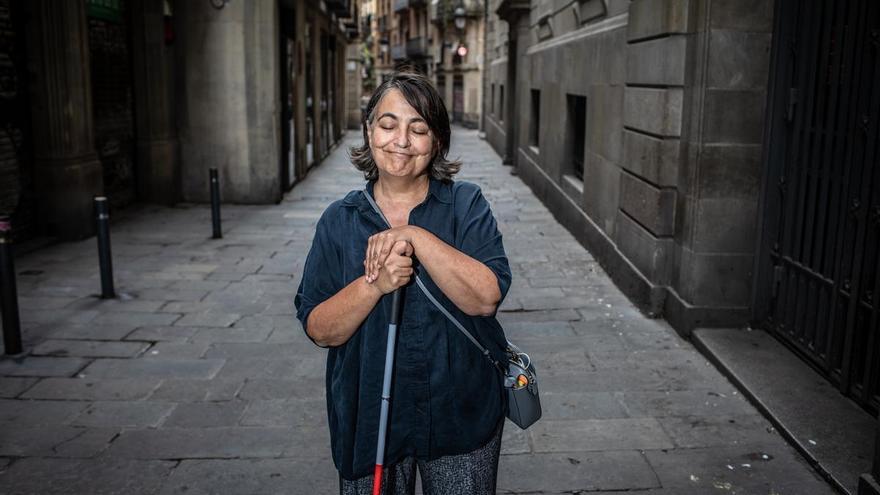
397, 171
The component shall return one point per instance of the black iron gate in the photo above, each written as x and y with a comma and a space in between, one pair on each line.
818, 276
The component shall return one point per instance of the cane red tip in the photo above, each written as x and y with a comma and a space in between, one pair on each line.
377, 480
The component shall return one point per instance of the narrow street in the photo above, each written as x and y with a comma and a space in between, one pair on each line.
198, 378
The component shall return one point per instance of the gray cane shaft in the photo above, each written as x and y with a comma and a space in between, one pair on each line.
386, 393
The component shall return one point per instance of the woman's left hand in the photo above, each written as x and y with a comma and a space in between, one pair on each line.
379, 247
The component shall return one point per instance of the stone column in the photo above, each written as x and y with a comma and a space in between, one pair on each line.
514, 12
299, 101
158, 174
317, 89
67, 171
228, 99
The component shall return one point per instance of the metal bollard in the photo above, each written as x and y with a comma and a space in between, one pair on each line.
215, 203
8, 292
105, 259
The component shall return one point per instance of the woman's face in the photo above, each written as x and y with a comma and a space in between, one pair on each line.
400, 139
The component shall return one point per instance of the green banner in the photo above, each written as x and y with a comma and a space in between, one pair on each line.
109, 10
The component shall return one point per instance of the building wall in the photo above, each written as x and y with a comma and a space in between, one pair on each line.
674, 93
495, 68
17, 196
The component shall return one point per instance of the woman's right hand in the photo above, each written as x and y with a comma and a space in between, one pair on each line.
397, 269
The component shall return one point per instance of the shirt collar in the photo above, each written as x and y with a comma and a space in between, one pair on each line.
439, 189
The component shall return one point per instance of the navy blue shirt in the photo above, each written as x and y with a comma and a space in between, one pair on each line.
446, 397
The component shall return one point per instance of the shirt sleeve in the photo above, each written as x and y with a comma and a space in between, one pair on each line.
478, 237
322, 273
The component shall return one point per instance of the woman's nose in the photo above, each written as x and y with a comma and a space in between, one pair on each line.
401, 139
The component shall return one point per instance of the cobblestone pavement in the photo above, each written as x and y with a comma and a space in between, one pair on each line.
198, 379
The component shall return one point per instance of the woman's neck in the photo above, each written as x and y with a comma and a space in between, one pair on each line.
402, 190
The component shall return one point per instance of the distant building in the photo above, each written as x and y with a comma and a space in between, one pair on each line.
443, 39
137, 99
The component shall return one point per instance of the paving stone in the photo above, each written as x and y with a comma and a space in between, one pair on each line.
586, 435
116, 305
189, 443
720, 430
263, 321
38, 412
207, 320
129, 414
253, 368
90, 331
48, 476
576, 405
230, 335
294, 334
90, 442
137, 319
41, 366
164, 294
699, 402
26, 303
88, 348
187, 307
153, 368
285, 412
46, 316
721, 469
44, 441
156, 334
575, 472
199, 285
255, 350
13, 386
280, 388
165, 350
252, 477
184, 390
91, 389
537, 316
209, 414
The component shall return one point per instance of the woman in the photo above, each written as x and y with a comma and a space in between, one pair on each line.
447, 402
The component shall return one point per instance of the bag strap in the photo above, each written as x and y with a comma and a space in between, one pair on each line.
436, 303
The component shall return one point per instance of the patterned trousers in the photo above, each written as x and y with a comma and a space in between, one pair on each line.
472, 473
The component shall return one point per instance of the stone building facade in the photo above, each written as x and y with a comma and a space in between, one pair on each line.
718, 157
639, 123
136, 99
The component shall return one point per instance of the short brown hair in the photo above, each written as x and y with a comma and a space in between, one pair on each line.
424, 98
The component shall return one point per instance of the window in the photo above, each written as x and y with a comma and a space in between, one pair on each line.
535, 123
501, 103
492, 100
577, 133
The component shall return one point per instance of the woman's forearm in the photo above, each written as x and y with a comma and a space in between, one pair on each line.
335, 320
469, 284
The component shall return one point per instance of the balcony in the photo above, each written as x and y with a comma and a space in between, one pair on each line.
400, 5
442, 11
416, 47
398, 52
341, 8
437, 13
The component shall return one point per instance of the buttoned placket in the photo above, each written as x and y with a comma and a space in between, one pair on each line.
411, 359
